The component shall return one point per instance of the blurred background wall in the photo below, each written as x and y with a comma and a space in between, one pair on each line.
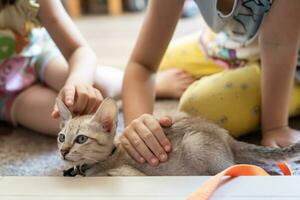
112, 26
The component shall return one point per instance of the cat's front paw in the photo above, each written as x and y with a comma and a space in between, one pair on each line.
72, 172
76, 170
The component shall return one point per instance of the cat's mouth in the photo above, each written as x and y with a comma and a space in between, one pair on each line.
80, 161
72, 159
77, 159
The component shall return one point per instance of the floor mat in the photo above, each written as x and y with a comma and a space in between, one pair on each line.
25, 153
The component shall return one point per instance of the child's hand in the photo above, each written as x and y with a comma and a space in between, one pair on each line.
79, 98
144, 139
281, 137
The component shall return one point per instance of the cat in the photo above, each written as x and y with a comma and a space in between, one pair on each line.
199, 147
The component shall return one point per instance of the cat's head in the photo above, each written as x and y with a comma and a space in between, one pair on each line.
89, 138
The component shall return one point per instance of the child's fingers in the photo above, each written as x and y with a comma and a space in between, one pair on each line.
139, 145
151, 141
158, 132
99, 99
82, 100
269, 143
131, 151
92, 101
166, 121
55, 114
69, 94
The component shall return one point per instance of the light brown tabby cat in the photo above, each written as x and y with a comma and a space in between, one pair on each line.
199, 147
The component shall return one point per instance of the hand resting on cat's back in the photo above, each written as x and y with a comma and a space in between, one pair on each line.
199, 147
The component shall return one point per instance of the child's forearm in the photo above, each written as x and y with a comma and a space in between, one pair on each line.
155, 35
138, 92
78, 92
83, 63
82, 60
279, 42
278, 72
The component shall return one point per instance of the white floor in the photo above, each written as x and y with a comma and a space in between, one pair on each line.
144, 188
113, 38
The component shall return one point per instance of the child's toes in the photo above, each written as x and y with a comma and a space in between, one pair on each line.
172, 83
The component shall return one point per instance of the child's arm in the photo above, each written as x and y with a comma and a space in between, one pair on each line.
144, 134
82, 60
279, 42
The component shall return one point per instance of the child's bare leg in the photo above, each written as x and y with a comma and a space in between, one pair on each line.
171, 83
107, 79
279, 53
56, 73
183, 63
32, 109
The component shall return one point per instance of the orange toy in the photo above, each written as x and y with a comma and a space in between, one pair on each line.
208, 188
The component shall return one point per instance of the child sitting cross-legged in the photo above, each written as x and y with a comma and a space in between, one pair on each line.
34, 71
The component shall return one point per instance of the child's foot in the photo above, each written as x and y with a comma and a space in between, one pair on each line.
172, 83
281, 137
109, 81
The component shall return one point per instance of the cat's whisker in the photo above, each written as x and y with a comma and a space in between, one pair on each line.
73, 158
88, 158
77, 155
95, 151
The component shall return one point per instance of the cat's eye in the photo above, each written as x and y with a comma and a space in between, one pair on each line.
61, 137
81, 139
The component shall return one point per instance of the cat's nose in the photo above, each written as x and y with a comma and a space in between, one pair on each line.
64, 152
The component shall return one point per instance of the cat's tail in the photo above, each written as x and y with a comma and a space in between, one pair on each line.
250, 153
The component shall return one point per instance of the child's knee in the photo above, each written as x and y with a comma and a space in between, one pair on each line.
295, 100
231, 99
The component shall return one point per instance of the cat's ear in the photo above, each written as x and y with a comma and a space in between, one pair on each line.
64, 112
107, 115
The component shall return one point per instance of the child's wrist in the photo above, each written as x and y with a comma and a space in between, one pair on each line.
74, 78
274, 128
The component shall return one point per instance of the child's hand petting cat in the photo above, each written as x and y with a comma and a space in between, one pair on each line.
79, 98
281, 137
144, 139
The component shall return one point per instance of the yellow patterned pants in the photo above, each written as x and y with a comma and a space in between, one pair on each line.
230, 98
